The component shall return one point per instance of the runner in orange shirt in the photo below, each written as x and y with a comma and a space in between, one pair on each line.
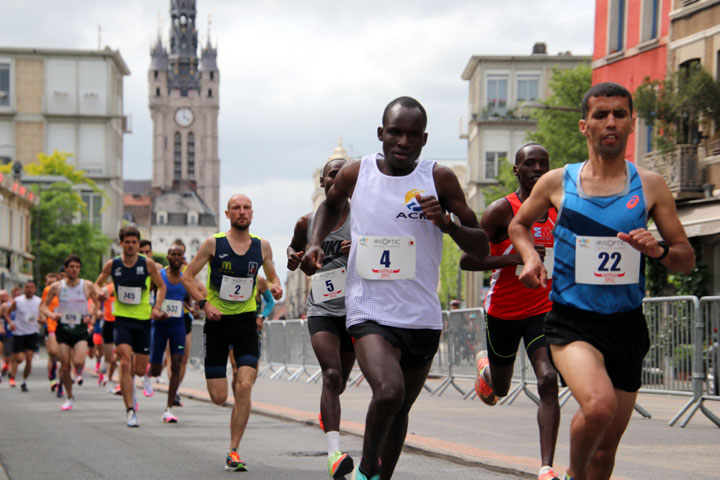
50, 341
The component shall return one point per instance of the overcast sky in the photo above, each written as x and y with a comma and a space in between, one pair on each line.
295, 76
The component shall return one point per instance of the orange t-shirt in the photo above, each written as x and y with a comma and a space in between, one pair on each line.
108, 304
51, 322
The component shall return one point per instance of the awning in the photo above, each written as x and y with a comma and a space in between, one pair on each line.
698, 219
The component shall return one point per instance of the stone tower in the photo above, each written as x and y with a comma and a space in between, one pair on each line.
183, 98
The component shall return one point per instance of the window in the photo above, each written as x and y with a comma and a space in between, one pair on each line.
177, 157
192, 218
497, 94
155, 74
492, 163
4, 84
161, 218
616, 30
528, 88
157, 92
212, 75
650, 20
191, 156
93, 206
209, 92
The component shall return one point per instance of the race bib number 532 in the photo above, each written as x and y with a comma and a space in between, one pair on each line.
386, 258
606, 261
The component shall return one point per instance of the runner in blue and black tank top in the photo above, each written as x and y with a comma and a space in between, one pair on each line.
234, 259
596, 330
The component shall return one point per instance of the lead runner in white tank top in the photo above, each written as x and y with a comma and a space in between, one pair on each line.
384, 205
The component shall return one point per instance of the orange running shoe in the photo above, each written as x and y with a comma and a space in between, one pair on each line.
483, 390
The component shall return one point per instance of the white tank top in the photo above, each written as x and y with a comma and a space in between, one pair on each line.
72, 299
385, 206
26, 313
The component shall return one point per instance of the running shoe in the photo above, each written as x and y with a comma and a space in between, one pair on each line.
234, 463
147, 386
483, 390
79, 379
547, 473
24, 387
68, 405
177, 401
109, 388
358, 475
168, 417
53, 384
340, 464
132, 420
12, 382
117, 390
59, 392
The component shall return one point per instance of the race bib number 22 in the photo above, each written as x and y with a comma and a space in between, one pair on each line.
606, 261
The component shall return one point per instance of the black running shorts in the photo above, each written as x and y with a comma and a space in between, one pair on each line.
133, 332
503, 338
417, 346
334, 325
240, 332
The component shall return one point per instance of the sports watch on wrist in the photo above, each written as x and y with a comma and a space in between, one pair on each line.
201, 303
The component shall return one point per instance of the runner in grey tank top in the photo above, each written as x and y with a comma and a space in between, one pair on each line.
326, 319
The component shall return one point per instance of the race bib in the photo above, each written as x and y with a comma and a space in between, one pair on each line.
71, 318
386, 258
129, 295
329, 285
173, 308
548, 262
606, 261
235, 289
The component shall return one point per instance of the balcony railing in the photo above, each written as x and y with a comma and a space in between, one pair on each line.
681, 169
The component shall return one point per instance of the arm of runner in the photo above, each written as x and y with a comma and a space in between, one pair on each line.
104, 274
269, 269
494, 221
680, 256
269, 303
7, 313
547, 188
469, 236
92, 294
45, 305
328, 215
154, 271
296, 249
203, 256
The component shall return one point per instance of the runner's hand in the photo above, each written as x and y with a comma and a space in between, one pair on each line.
643, 241
211, 313
294, 260
312, 260
158, 314
434, 211
276, 291
533, 274
345, 247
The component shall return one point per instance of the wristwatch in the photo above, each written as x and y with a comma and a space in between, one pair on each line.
666, 249
201, 303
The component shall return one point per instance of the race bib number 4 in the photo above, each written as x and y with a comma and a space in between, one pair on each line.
329, 285
235, 289
129, 295
605, 261
173, 308
386, 258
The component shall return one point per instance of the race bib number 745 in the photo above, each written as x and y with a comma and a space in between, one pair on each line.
386, 258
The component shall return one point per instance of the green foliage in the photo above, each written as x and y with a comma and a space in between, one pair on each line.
55, 235
694, 283
558, 130
507, 182
656, 277
449, 276
160, 259
5, 167
677, 105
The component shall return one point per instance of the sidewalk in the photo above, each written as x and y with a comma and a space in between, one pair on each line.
504, 437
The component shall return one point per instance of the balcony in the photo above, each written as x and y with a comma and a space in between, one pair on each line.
509, 116
681, 168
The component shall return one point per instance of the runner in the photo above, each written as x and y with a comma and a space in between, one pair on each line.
398, 206
73, 317
234, 259
8, 353
25, 330
326, 318
51, 344
107, 338
171, 330
4, 298
131, 274
596, 329
515, 312
146, 248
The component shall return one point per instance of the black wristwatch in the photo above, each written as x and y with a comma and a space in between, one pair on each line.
201, 303
666, 249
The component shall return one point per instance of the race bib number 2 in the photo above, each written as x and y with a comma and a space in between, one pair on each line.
329, 285
386, 258
606, 261
236, 289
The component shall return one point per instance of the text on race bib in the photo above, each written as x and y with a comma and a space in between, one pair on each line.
71, 318
329, 285
386, 258
173, 308
606, 261
236, 289
129, 295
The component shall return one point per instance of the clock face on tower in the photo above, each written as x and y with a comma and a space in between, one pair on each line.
184, 116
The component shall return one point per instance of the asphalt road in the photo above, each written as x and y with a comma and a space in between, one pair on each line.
92, 441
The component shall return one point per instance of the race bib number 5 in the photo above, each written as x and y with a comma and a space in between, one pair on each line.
129, 295
386, 258
235, 289
605, 261
329, 285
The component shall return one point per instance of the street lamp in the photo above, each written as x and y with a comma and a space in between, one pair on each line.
543, 106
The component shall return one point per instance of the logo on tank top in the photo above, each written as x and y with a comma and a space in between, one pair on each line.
634, 200
252, 268
226, 266
415, 210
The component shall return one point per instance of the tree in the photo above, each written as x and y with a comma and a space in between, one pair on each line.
56, 232
450, 273
558, 130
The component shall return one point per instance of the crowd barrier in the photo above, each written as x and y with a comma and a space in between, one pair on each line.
683, 359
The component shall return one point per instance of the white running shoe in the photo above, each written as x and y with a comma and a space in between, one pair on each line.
109, 387
168, 417
132, 420
147, 386
68, 405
